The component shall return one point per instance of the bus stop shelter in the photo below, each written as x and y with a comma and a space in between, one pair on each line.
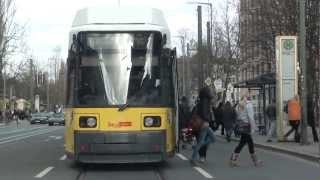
259, 83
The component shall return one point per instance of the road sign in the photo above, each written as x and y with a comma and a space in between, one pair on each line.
218, 84
287, 80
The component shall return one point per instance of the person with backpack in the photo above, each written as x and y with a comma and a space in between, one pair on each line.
294, 116
271, 114
246, 127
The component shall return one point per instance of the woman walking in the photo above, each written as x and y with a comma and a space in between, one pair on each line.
246, 126
229, 119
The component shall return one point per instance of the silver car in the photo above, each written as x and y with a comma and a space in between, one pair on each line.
56, 119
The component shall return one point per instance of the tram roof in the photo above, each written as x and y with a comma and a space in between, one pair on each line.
119, 15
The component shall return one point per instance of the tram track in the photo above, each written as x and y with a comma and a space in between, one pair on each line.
86, 171
82, 172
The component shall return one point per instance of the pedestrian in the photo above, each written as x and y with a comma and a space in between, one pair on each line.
229, 119
184, 113
294, 117
271, 115
201, 117
311, 120
246, 127
218, 114
184, 117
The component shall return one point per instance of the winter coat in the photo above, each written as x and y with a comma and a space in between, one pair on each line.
184, 116
204, 105
310, 110
218, 114
247, 115
294, 110
229, 118
271, 112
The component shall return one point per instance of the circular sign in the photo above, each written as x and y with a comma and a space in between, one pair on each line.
288, 44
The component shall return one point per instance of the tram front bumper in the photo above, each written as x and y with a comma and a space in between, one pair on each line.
120, 147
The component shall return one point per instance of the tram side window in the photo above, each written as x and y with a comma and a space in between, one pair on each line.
70, 79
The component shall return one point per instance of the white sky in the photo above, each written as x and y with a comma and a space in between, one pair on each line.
49, 21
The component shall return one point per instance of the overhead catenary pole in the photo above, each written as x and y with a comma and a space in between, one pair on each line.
183, 66
200, 61
302, 53
209, 49
31, 97
48, 92
4, 96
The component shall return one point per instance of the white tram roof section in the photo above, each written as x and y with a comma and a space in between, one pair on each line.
122, 15
120, 19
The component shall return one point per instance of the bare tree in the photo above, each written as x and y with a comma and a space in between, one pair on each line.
231, 48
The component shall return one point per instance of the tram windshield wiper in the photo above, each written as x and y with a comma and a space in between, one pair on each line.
123, 107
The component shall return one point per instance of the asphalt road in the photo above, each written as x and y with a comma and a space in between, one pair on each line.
36, 152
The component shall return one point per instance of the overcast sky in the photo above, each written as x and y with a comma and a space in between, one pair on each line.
49, 21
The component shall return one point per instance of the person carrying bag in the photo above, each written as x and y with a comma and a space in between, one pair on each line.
245, 127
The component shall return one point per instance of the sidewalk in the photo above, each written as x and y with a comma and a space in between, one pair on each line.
308, 152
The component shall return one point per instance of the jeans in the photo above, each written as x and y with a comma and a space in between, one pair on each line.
245, 138
203, 149
206, 137
272, 129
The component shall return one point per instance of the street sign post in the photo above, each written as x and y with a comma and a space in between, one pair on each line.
287, 78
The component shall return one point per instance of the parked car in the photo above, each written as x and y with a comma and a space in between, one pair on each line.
57, 118
39, 118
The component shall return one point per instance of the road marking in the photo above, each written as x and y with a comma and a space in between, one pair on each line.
21, 130
64, 157
182, 157
23, 136
203, 172
58, 137
44, 172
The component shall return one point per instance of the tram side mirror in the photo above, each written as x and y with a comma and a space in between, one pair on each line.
173, 53
164, 40
166, 53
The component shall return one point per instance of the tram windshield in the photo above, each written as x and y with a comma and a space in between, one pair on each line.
122, 68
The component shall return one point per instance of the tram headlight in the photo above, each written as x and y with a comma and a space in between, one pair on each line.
92, 122
152, 121
88, 122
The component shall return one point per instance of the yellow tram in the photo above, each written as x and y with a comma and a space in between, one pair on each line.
121, 93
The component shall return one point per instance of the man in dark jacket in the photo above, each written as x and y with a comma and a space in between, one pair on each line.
184, 113
311, 120
218, 114
271, 114
229, 119
204, 111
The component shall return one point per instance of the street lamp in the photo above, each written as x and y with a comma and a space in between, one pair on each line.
209, 39
210, 6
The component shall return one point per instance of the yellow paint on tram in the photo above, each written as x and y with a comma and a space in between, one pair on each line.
111, 120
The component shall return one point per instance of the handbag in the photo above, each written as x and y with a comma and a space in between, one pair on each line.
242, 127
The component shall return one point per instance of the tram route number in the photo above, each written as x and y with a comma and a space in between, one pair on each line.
119, 124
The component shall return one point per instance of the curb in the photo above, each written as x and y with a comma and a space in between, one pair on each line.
309, 157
